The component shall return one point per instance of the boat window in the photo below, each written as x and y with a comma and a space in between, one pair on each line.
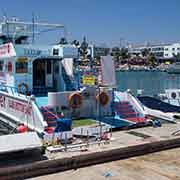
21, 67
1, 65
48, 67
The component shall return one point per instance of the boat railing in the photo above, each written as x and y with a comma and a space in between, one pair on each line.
9, 89
12, 90
37, 115
34, 119
138, 107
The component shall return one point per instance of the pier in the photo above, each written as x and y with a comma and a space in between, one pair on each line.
123, 144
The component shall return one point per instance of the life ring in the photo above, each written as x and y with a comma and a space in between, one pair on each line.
23, 88
103, 98
75, 100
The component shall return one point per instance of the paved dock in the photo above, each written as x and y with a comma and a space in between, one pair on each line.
127, 138
164, 165
124, 144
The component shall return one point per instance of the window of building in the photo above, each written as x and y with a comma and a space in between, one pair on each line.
48, 67
166, 49
1, 65
173, 49
55, 52
166, 54
178, 48
21, 67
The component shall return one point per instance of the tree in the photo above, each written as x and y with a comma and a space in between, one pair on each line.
145, 52
151, 60
124, 53
115, 52
176, 56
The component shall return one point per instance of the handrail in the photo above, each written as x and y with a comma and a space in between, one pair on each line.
136, 104
140, 103
50, 112
40, 116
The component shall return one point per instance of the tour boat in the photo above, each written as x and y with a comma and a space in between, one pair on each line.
28, 71
38, 83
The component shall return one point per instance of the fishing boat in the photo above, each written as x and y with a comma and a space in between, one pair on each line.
174, 68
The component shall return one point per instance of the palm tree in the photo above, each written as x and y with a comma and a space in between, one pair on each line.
124, 53
176, 57
145, 52
152, 60
115, 52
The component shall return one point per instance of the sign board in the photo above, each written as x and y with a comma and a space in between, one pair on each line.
108, 71
22, 59
88, 80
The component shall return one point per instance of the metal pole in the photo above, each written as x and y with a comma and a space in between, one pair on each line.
33, 35
113, 110
65, 141
99, 105
87, 138
78, 69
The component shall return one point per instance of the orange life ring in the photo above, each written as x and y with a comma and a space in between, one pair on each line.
21, 90
75, 100
103, 98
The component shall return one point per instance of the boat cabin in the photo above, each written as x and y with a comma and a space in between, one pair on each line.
33, 69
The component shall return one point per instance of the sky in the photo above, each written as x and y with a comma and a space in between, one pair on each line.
110, 22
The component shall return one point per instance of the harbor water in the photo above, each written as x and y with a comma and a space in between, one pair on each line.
152, 82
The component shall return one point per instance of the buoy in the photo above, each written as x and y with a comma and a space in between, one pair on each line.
103, 98
49, 130
22, 128
75, 100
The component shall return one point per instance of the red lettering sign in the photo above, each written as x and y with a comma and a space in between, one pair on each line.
2, 101
21, 107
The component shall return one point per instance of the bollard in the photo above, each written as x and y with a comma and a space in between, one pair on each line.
87, 138
66, 142
81, 133
111, 132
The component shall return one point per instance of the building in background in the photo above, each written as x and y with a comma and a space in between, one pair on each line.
160, 51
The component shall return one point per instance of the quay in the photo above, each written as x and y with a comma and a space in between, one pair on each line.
162, 165
123, 144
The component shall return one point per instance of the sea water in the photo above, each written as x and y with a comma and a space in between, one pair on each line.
152, 82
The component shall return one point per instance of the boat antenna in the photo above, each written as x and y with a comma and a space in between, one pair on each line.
33, 34
65, 33
5, 20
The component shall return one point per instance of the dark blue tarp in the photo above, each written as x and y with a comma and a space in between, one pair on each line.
154, 103
63, 124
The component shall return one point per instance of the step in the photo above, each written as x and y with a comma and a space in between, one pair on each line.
51, 122
137, 119
51, 125
51, 117
124, 109
125, 116
128, 113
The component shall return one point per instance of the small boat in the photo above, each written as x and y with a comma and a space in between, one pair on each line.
174, 68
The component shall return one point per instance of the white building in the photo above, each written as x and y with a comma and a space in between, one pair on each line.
165, 51
172, 49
